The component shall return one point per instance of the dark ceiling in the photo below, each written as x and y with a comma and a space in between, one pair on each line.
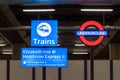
15, 26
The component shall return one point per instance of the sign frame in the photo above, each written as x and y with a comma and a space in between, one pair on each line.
95, 24
44, 57
44, 32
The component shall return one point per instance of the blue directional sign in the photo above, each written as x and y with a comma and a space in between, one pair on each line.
44, 33
44, 57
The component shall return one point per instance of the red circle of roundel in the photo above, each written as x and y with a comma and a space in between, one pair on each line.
97, 25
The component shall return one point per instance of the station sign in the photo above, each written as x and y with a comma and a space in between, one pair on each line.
44, 57
82, 33
44, 33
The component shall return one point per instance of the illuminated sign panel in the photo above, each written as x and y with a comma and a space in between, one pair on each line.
92, 33
56, 1
44, 57
44, 33
101, 33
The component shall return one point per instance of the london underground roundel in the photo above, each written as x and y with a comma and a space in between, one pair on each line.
82, 33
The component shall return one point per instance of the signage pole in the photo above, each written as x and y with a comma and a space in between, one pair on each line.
8, 69
92, 63
44, 73
33, 74
59, 74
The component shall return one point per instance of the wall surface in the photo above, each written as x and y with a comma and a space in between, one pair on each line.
74, 71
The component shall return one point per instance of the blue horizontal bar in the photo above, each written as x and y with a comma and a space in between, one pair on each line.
53, 1
92, 33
